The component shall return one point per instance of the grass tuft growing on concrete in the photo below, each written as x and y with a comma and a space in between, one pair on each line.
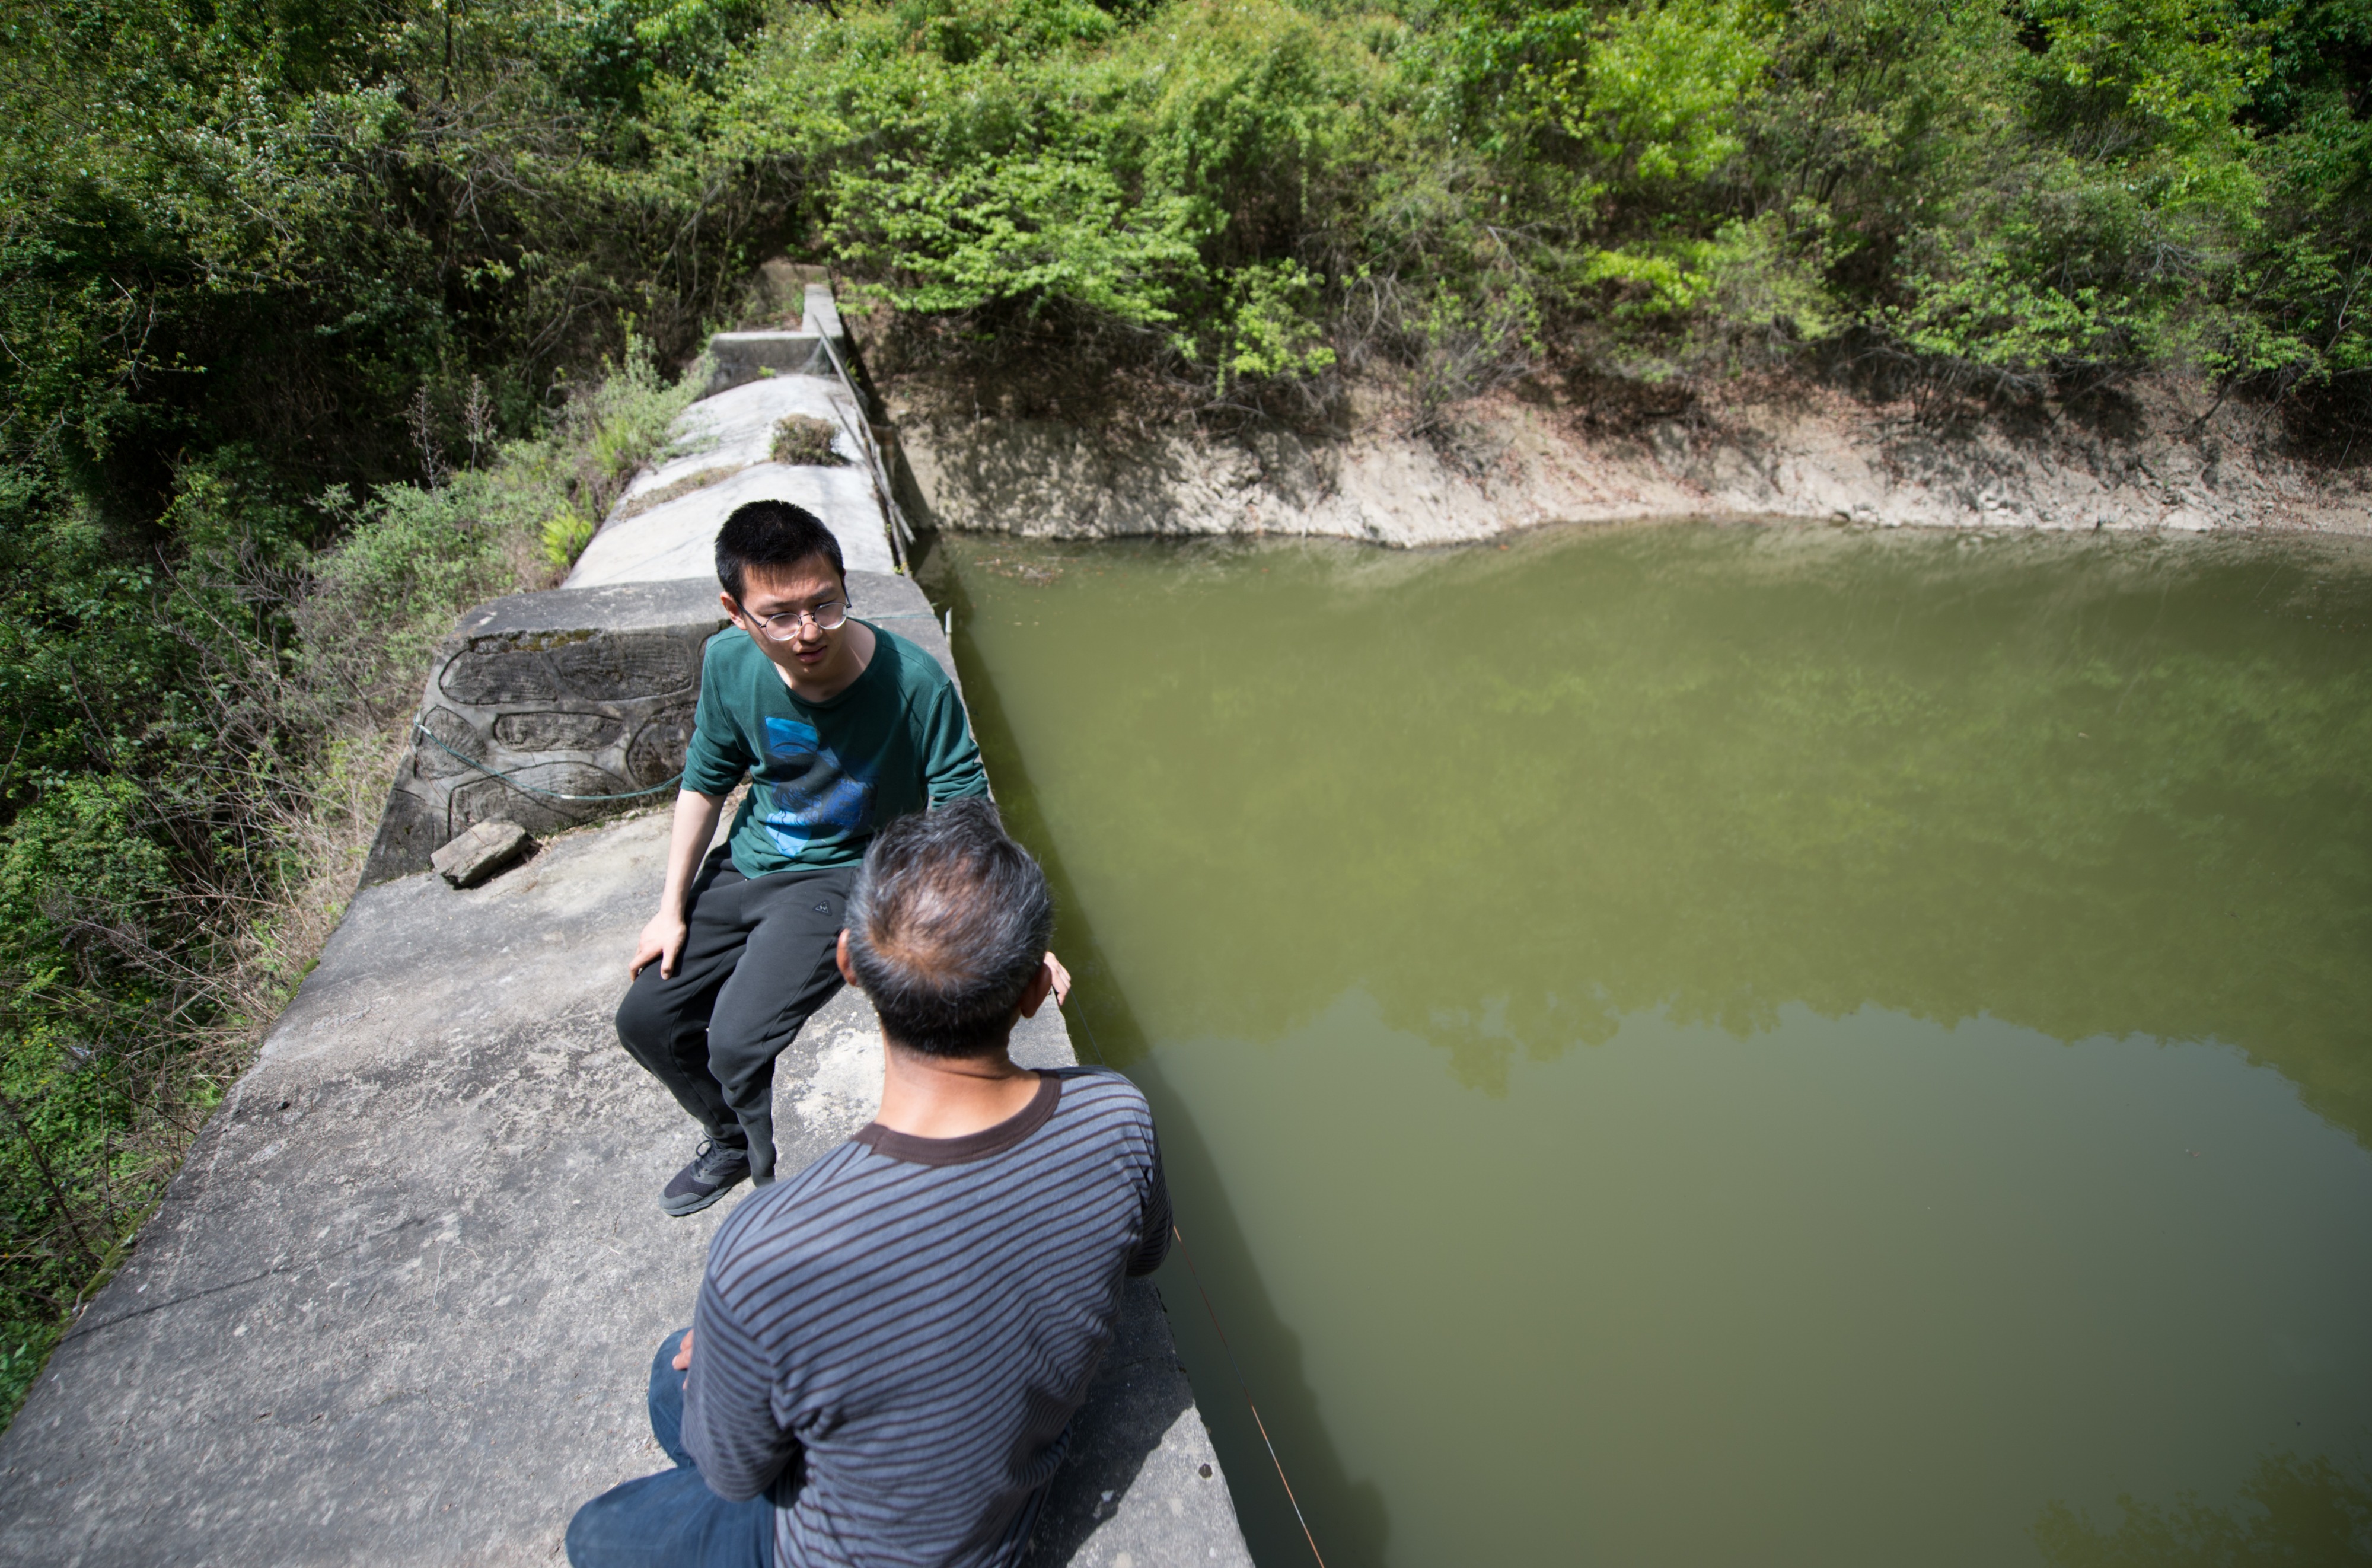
676, 491
802, 438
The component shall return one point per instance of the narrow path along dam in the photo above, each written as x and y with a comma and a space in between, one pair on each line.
397, 1305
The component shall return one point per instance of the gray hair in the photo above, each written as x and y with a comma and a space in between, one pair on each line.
947, 925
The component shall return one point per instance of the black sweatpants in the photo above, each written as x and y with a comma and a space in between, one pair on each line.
756, 962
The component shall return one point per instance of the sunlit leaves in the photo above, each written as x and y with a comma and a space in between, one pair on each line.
1270, 325
1021, 227
1662, 87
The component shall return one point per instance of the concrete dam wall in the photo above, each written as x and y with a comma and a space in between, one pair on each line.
398, 1304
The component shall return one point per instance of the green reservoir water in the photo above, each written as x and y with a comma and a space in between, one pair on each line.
1713, 1045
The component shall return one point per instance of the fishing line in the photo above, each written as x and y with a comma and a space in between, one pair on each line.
1233, 1364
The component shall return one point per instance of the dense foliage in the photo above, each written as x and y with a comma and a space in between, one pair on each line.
2005, 195
304, 307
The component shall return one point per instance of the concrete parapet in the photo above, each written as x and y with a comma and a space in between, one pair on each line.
741, 358
584, 693
746, 356
822, 316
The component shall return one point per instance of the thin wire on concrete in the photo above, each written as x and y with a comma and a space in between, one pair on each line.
1233, 1364
430, 735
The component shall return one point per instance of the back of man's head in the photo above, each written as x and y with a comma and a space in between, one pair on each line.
771, 535
946, 926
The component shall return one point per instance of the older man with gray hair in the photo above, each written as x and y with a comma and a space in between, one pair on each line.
890, 1346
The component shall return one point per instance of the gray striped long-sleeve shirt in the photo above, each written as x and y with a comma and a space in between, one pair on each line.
891, 1344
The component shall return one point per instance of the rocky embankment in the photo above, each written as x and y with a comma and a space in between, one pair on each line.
2161, 457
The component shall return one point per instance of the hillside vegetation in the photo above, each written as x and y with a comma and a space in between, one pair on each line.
323, 318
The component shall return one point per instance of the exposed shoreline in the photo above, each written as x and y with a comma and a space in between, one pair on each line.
2160, 459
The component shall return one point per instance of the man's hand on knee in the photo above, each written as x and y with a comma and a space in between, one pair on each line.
695, 826
661, 940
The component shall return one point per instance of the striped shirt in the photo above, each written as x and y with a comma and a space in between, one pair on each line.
890, 1344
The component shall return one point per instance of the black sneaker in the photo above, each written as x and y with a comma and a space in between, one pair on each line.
705, 1180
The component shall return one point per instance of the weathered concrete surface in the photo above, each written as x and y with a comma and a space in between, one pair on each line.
398, 1305
585, 692
732, 434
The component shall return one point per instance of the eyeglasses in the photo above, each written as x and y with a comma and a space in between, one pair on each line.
829, 616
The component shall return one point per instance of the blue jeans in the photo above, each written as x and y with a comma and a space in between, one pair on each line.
671, 1519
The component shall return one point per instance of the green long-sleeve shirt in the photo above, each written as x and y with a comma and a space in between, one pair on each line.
830, 774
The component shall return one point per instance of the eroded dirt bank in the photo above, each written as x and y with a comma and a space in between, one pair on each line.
2160, 457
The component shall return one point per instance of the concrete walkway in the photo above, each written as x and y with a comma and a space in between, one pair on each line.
731, 435
398, 1305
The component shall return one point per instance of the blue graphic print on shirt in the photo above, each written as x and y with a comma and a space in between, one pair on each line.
811, 791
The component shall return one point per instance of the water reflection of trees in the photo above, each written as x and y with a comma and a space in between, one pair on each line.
2291, 1512
1518, 796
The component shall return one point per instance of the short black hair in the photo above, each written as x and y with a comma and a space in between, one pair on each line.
772, 533
947, 925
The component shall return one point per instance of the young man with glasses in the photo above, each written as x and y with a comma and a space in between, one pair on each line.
842, 728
